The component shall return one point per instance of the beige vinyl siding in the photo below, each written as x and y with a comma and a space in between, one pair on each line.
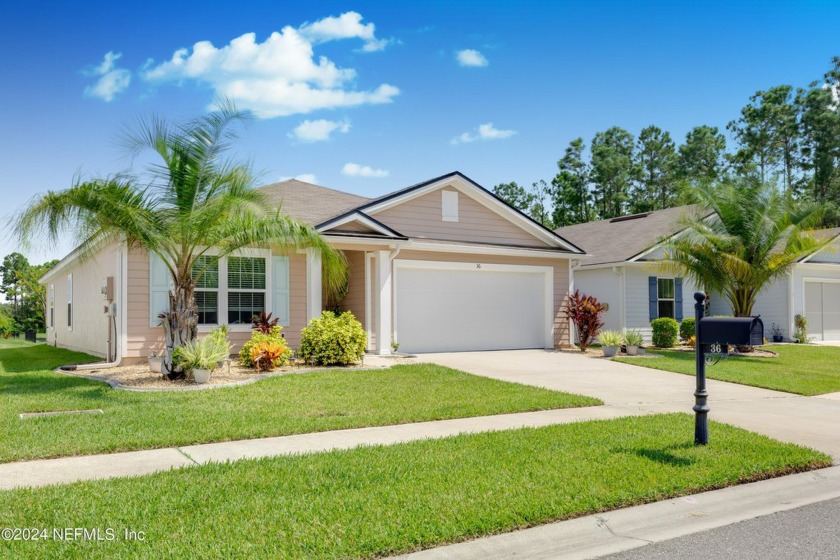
561, 280
422, 218
354, 301
143, 339
352, 226
89, 332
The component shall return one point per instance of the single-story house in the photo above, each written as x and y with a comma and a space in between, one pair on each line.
625, 273
443, 265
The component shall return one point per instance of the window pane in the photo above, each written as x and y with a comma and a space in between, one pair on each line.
242, 306
246, 273
666, 309
205, 272
666, 288
208, 307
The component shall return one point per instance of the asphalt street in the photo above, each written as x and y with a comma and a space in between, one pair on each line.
807, 532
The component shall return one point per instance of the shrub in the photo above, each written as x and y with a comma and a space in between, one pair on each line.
267, 353
633, 338
691, 341
611, 338
688, 328
264, 323
800, 333
665, 332
7, 325
333, 340
585, 312
274, 336
202, 353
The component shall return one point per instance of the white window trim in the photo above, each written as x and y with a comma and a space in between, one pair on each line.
449, 205
223, 290
673, 299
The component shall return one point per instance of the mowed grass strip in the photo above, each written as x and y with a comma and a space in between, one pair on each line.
800, 369
375, 501
290, 404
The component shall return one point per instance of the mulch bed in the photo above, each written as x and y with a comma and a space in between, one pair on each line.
140, 377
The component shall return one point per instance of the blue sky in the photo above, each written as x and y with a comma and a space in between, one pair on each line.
369, 97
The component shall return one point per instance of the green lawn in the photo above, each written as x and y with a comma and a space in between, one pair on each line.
801, 369
374, 501
292, 404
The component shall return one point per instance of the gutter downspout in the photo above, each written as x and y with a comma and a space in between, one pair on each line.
622, 317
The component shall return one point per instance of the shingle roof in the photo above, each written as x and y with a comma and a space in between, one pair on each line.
619, 239
310, 203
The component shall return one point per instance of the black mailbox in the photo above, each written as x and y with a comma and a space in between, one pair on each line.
742, 331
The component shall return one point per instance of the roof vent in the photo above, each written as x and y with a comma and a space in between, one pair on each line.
631, 217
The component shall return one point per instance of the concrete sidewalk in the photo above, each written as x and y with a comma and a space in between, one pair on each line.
624, 529
136, 463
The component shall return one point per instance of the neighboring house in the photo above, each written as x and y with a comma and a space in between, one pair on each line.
624, 273
443, 265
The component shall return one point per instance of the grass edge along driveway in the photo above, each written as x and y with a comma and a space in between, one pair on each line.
800, 369
285, 405
373, 501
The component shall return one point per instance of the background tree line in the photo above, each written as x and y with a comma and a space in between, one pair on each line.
787, 136
26, 299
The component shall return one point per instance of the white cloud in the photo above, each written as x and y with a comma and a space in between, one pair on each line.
485, 131
305, 177
112, 80
280, 76
318, 130
356, 170
346, 26
471, 57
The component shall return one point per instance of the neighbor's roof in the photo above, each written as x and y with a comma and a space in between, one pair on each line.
310, 203
826, 234
620, 239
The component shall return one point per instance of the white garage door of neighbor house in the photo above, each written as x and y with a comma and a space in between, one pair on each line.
443, 307
822, 310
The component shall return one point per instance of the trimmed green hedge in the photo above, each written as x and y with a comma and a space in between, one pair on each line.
665, 331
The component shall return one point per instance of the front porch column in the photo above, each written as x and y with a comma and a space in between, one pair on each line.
382, 288
313, 284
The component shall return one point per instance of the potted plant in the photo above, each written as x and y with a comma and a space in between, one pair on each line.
155, 362
202, 356
610, 342
633, 339
776, 331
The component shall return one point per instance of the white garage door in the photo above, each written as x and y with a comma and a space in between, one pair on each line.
442, 307
822, 310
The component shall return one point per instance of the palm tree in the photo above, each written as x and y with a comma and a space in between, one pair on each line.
754, 235
192, 200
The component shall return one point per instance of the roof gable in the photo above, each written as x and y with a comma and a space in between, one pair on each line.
483, 217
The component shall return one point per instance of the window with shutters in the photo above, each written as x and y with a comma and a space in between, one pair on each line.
666, 297
228, 290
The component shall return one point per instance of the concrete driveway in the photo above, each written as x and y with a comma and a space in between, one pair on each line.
810, 421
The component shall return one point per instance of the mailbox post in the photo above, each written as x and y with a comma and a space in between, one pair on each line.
701, 408
713, 336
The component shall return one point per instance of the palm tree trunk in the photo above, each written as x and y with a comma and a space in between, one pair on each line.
180, 326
